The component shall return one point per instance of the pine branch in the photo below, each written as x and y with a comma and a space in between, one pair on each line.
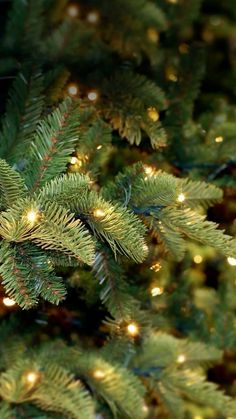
11, 185
53, 143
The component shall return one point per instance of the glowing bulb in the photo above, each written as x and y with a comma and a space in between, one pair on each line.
198, 417
172, 1
181, 359
99, 147
171, 74
32, 216
73, 10
133, 329
231, 261
73, 160
92, 96
156, 267
98, 213
8, 302
149, 170
145, 408
99, 374
72, 89
198, 259
219, 139
153, 114
32, 377
92, 17
155, 291
181, 198
153, 35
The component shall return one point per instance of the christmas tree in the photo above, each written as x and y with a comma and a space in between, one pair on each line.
117, 164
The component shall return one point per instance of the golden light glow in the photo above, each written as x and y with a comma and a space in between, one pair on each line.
153, 35
149, 170
72, 89
181, 359
198, 417
145, 408
155, 291
73, 160
32, 216
156, 267
231, 261
133, 329
171, 74
99, 374
153, 114
181, 198
32, 377
73, 10
93, 17
172, 1
99, 147
99, 213
92, 95
8, 302
219, 139
198, 259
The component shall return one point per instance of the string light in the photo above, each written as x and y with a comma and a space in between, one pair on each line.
181, 197
156, 267
171, 74
153, 114
181, 359
31, 378
73, 160
149, 170
198, 259
73, 10
98, 213
99, 147
153, 35
172, 1
133, 329
99, 374
32, 216
92, 17
8, 302
219, 139
72, 89
145, 408
231, 261
92, 95
155, 291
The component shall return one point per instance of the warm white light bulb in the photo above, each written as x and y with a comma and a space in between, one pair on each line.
8, 302
219, 139
231, 261
73, 160
72, 89
73, 10
198, 259
181, 198
98, 213
32, 216
92, 17
99, 147
99, 374
181, 359
155, 291
92, 96
32, 377
133, 329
